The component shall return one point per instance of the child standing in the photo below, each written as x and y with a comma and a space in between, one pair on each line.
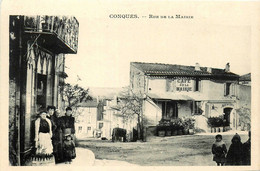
219, 150
69, 149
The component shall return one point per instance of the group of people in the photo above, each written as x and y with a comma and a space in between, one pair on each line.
54, 135
238, 153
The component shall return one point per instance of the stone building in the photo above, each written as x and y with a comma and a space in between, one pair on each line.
245, 79
100, 116
86, 120
111, 117
175, 91
38, 45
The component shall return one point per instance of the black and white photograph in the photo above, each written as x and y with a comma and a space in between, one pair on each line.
130, 83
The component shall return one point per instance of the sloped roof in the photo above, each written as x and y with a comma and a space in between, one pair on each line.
104, 92
246, 77
89, 103
173, 69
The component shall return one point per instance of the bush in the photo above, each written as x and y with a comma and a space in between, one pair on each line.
217, 121
176, 124
189, 123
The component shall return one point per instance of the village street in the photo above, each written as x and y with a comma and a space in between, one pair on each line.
189, 150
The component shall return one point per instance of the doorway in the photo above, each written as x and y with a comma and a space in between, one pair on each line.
169, 110
227, 112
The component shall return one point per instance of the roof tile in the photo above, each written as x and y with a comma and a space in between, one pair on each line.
173, 69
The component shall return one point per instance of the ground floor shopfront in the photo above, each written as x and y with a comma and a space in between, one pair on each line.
158, 109
36, 74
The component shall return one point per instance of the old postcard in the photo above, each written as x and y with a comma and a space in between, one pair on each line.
130, 85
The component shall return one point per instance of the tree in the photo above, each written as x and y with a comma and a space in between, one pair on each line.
74, 95
131, 105
244, 118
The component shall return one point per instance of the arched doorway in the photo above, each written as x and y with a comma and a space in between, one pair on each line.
227, 112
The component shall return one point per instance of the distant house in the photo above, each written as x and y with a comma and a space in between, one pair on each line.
245, 79
101, 115
244, 94
86, 120
175, 91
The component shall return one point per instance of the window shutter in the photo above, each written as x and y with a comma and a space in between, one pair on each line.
225, 86
194, 85
173, 85
167, 85
199, 84
170, 85
191, 107
207, 110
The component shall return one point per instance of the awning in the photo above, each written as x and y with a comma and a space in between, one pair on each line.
188, 96
169, 96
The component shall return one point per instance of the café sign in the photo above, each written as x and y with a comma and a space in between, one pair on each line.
184, 84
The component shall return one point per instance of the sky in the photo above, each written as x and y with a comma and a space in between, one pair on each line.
214, 37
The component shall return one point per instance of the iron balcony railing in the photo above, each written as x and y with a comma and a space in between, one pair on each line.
66, 28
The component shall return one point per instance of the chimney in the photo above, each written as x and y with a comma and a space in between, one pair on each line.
209, 69
227, 68
197, 67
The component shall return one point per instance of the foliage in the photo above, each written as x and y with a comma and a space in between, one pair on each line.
189, 123
244, 118
130, 105
176, 124
164, 123
74, 94
217, 121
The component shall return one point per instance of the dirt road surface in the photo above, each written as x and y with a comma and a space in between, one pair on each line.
188, 150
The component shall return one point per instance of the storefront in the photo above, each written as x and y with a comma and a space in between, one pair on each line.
38, 45
178, 91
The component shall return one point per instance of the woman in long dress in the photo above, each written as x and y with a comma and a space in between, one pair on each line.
43, 134
67, 125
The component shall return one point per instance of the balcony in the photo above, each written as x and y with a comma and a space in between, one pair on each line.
59, 34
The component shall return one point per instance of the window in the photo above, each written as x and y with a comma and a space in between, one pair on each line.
197, 107
197, 85
89, 128
89, 119
100, 125
169, 85
41, 91
79, 129
227, 89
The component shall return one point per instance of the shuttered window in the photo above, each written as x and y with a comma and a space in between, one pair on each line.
170, 84
227, 89
197, 84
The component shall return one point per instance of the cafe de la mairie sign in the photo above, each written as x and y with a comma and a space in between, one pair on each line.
184, 84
